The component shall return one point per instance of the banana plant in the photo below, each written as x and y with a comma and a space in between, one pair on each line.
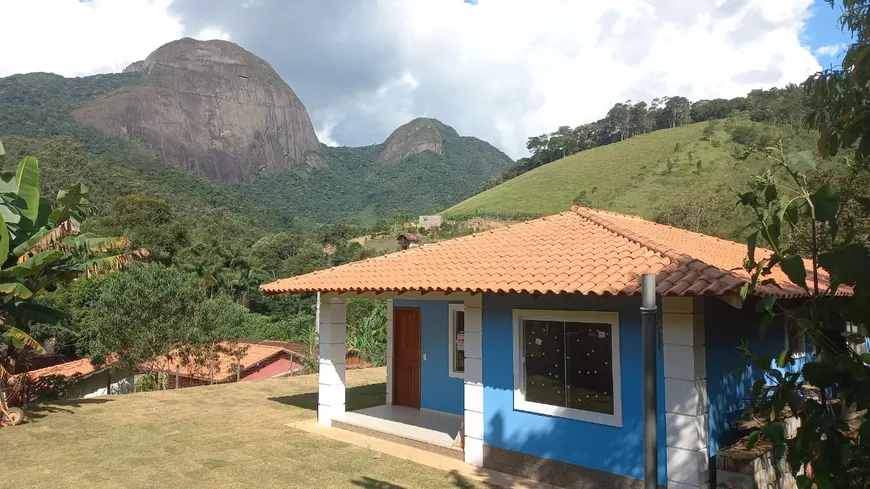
41, 246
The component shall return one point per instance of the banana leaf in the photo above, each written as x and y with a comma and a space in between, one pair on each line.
27, 178
4, 240
70, 198
33, 266
24, 339
15, 289
46, 239
112, 263
37, 313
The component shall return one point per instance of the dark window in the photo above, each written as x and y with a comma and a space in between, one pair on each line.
569, 364
459, 341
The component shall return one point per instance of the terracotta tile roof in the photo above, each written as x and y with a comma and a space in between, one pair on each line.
583, 251
81, 367
225, 366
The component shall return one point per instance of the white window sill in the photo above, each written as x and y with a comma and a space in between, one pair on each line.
457, 375
520, 404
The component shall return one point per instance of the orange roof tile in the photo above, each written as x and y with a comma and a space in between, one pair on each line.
81, 367
225, 366
583, 251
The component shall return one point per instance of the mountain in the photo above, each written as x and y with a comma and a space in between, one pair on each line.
423, 166
208, 124
209, 107
686, 176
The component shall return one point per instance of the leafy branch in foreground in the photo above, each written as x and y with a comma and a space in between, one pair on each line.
831, 391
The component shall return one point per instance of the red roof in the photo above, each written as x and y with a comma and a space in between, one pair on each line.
81, 367
224, 367
583, 251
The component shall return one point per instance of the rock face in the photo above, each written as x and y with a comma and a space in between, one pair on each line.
210, 107
419, 135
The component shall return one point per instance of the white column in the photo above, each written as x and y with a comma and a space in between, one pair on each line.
333, 351
474, 380
389, 352
685, 392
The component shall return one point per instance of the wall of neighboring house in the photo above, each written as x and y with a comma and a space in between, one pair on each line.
616, 450
439, 391
101, 383
725, 328
267, 369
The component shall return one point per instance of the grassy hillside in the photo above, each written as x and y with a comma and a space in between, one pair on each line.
688, 170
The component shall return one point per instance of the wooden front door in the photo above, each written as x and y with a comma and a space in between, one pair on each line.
406, 356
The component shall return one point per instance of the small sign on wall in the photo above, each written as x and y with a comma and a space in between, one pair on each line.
460, 341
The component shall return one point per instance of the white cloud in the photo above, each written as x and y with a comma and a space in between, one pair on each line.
831, 50
501, 70
74, 38
210, 33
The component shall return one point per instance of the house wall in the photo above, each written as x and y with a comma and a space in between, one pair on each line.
617, 450
725, 328
100, 384
268, 369
440, 392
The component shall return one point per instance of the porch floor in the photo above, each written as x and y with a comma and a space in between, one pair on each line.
431, 427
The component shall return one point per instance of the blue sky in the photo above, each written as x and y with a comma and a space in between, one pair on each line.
823, 30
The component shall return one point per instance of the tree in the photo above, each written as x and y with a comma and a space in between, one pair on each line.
832, 447
639, 119
40, 248
619, 117
140, 315
677, 110
149, 222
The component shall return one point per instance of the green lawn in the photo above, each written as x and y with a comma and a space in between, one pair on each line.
211, 437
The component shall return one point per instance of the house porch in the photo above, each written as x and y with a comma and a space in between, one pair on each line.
421, 428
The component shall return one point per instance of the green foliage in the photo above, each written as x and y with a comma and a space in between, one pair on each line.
832, 443
141, 315
367, 329
149, 222
40, 248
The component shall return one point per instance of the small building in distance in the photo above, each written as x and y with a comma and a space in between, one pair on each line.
427, 222
86, 380
406, 240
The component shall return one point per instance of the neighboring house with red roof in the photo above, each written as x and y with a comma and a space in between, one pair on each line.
86, 380
529, 336
259, 360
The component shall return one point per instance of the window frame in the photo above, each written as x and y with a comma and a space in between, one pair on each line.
451, 338
520, 402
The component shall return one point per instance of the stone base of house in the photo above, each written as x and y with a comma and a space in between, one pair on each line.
554, 472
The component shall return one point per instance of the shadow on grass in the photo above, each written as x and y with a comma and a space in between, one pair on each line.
361, 397
40, 411
369, 483
457, 480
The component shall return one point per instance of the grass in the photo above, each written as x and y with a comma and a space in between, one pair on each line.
211, 437
644, 175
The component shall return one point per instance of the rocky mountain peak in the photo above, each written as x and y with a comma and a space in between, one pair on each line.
211, 107
420, 134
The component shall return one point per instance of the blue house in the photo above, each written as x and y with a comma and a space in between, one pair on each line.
519, 348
